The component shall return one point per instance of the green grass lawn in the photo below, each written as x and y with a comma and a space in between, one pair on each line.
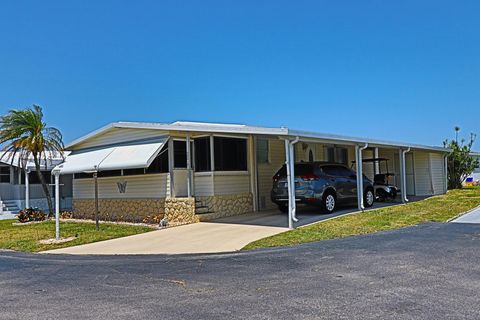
438, 209
26, 237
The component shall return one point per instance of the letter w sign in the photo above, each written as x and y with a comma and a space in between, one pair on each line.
122, 186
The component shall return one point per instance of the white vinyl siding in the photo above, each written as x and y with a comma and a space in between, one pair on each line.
423, 181
141, 186
438, 175
180, 182
368, 168
221, 183
203, 184
266, 171
119, 135
230, 183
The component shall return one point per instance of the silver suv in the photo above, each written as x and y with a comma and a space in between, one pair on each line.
321, 184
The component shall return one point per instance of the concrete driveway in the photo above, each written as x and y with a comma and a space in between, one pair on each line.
221, 235
203, 237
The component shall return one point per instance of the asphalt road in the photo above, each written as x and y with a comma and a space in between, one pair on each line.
426, 272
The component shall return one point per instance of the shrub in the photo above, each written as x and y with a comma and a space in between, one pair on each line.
66, 215
31, 214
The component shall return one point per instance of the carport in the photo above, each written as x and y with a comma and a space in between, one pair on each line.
419, 170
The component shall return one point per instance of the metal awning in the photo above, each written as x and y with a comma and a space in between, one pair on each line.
131, 156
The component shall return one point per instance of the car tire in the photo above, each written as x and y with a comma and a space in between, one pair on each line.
283, 208
381, 195
368, 198
329, 202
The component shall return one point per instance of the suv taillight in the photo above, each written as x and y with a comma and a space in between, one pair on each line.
310, 177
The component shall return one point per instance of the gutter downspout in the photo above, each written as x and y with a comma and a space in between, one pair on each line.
359, 151
445, 170
404, 176
290, 165
292, 176
56, 174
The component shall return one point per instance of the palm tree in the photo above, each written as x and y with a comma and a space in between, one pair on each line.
457, 129
24, 135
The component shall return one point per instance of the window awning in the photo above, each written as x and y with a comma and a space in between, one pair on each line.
131, 156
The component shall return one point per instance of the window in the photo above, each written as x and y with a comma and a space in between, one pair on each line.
109, 173
82, 175
160, 164
5, 174
337, 155
202, 154
262, 151
180, 154
331, 154
230, 154
341, 155
133, 172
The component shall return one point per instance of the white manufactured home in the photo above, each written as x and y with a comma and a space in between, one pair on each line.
226, 169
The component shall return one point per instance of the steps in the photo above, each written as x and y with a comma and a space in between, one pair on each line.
201, 208
8, 209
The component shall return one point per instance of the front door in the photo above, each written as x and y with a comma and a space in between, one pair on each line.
180, 182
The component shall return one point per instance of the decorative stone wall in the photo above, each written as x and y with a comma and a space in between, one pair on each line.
180, 211
226, 205
128, 210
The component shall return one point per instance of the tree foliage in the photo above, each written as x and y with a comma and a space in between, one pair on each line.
25, 136
460, 161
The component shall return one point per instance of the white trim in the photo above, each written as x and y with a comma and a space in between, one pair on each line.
231, 173
203, 173
226, 129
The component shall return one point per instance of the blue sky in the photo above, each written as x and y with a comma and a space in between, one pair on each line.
397, 70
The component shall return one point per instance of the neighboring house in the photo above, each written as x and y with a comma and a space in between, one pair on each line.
474, 177
227, 168
20, 186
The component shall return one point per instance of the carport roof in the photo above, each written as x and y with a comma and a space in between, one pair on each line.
281, 132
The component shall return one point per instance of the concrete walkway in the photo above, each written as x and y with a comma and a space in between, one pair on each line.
470, 217
203, 237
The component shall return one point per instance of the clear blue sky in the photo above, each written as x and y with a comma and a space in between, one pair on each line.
397, 70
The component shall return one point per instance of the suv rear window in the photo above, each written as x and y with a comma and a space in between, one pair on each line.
338, 171
301, 169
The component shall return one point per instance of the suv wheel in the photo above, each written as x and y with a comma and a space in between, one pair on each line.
369, 198
329, 202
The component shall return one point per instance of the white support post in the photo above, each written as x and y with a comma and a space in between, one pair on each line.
57, 205
403, 175
289, 184
252, 169
292, 177
189, 168
376, 163
170, 167
95, 182
446, 172
27, 189
359, 167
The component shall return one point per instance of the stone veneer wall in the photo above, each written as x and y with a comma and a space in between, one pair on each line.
128, 210
226, 205
180, 211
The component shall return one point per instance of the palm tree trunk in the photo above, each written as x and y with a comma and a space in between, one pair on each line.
46, 189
